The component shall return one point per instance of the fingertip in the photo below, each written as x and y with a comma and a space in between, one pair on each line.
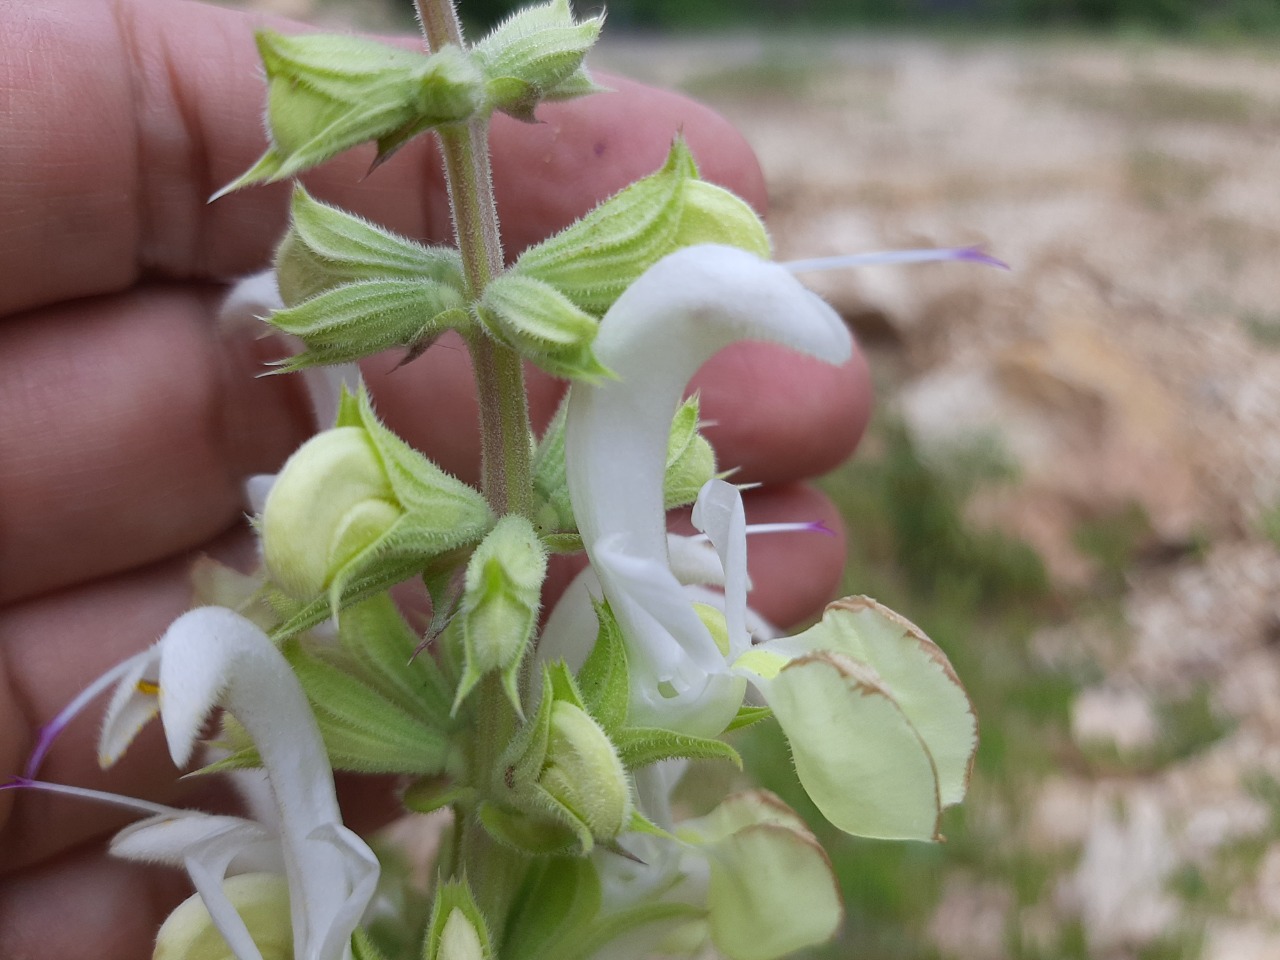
780, 416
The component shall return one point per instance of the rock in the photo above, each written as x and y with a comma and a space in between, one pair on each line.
1114, 717
1118, 886
970, 921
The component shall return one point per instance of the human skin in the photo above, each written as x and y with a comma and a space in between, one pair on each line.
129, 421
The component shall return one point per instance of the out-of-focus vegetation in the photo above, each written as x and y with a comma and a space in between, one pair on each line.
1213, 17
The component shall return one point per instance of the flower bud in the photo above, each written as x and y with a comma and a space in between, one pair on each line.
457, 929
331, 501
595, 259
328, 93
356, 510
560, 770
712, 214
584, 774
459, 939
261, 900
536, 55
500, 604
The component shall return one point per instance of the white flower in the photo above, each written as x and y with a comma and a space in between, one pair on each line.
659, 332
212, 657
881, 732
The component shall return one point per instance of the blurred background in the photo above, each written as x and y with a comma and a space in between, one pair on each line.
1073, 480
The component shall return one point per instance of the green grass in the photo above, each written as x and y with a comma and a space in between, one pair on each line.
1269, 524
1263, 329
1162, 100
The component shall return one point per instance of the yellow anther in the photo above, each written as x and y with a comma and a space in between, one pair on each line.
150, 688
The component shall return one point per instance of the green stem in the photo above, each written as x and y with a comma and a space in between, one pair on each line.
505, 467
494, 872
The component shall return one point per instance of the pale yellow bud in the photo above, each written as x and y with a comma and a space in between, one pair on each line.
584, 772
331, 501
261, 899
459, 939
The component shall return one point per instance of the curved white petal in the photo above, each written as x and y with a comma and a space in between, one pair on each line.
694, 560
675, 317
214, 656
570, 630
678, 314
719, 514
251, 300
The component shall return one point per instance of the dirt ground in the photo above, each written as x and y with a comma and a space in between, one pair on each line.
1129, 367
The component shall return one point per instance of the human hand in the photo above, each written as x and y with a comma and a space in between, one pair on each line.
129, 422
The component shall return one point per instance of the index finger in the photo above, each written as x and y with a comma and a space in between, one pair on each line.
123, 116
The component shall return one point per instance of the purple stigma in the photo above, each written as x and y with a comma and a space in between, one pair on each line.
15, 783
978, 255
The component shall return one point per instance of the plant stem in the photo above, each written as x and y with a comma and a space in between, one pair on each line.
504, 407
494, 872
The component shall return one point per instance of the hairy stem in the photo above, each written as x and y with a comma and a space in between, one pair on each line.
504, 407
494, 872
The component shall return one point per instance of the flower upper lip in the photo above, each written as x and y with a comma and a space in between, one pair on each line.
667, 324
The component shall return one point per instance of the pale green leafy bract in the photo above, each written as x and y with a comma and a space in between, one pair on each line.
772, 890
536, 54
328, 93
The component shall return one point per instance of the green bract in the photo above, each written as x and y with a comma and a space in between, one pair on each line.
535, 55
457, 930
690, 460
356, 509
561, 781
327, 247
328, 93
592, 261
864, 667
772, 889
352, 288
380, 708
360, 319
500, 604
542, 325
